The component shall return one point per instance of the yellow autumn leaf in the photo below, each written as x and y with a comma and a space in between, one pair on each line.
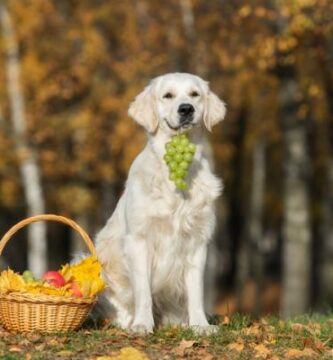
38, 287
236, 346
261, 351
10, 281
127, 353
87, 273
296, 353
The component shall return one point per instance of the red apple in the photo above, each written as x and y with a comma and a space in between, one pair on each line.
75, 288
54, 278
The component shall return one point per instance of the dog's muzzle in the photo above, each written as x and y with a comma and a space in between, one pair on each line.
185, 112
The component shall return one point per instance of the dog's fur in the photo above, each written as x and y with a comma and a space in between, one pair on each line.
153, 248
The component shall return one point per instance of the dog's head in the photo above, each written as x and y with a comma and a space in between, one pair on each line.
177, 102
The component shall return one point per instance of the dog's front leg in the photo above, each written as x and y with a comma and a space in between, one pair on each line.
139, 271
195, 290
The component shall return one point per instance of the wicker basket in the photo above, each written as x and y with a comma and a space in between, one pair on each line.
22, 312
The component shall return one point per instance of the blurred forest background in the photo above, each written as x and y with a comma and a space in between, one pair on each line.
68, 71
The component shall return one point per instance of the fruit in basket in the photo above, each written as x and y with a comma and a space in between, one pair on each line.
74, 287
54, 278
79, 280
28, 276
87, 274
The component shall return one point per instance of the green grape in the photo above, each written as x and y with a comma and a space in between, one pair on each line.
167, 157
180, 173
179, 152
184, 165
178, 157
171, 151
173, 176
191, 148
180, 148
173, 165
184, 186
175, 140
188, 157
181, 184
28, 276
185, 141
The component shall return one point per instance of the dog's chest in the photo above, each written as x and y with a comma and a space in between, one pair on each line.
185, 215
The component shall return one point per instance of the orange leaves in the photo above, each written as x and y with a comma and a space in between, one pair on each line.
305, 353
236, 346
183, 346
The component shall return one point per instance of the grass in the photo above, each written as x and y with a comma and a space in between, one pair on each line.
239, 337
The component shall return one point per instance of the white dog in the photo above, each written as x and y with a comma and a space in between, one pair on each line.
153, 248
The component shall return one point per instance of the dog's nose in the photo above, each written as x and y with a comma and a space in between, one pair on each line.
185, 109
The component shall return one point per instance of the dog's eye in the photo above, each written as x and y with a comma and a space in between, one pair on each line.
194, 94
168, 95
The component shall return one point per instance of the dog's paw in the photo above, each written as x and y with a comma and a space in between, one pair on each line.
141, 329
205, 329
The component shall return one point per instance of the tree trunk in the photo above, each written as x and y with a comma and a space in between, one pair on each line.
195, 55
239, 220
296, 226
255, 221
326, 253
325, 258
29, 169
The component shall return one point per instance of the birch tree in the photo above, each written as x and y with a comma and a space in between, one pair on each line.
28, 163
296, 225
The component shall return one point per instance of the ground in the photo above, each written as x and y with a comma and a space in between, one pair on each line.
239, 337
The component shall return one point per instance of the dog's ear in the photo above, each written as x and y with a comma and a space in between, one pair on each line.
142, 110
215, 110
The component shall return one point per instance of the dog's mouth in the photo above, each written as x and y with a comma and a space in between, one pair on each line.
184, 125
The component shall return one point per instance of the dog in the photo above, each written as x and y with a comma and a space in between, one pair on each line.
153, 248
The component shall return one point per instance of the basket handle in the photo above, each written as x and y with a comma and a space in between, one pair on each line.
48, 217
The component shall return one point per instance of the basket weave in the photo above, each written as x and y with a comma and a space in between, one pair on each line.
22, 312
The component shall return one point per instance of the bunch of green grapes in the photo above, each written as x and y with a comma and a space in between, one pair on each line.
179, 155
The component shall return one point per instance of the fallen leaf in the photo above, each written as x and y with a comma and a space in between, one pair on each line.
318, 345
226, 320
236, 346
40, 347
52, 342
65, 353
203, 354
24, 342
253, 330
295, 353
33, 337
183, 346
264, 321
312, 328
28, 356
261, 351
127, 353
15, 348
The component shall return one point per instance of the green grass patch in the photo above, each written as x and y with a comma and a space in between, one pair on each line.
238, 337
